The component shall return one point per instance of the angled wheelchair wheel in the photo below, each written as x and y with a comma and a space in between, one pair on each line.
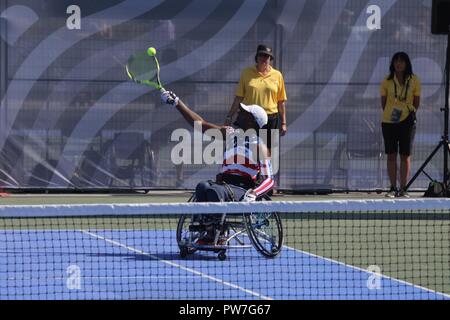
265, 231
185, 235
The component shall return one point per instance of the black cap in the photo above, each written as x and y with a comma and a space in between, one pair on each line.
262, 49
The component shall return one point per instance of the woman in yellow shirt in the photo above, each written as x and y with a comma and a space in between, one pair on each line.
400, 99
262, 85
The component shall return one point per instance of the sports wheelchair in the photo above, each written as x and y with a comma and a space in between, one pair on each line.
262, 230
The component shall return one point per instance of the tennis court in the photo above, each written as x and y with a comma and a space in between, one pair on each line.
74, 119
121, 248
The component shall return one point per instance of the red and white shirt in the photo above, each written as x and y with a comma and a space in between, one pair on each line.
242, 160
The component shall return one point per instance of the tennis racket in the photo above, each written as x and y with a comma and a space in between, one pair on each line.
143, 68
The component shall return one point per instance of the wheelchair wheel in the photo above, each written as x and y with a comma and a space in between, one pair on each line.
184, 235
266, 232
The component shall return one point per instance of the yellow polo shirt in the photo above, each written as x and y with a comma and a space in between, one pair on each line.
398, 108
265, 91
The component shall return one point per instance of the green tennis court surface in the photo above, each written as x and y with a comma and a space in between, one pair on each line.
159, 197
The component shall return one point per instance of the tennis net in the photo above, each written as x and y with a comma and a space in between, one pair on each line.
349, 249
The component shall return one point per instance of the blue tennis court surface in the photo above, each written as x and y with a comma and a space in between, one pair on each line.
126, 264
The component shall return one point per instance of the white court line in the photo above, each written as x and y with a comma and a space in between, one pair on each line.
99, 278
172, 264
369, 273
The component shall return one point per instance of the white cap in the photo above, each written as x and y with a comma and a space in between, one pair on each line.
258, 113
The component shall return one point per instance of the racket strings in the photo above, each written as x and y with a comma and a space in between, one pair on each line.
142, 67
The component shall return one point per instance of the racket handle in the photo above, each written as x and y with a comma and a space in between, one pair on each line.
162, 89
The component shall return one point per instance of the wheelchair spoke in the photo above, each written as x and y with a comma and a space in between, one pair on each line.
265, 236
236, 235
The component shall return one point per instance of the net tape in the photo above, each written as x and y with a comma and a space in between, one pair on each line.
330, 206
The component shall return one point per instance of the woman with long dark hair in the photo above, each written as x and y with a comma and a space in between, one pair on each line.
400, 99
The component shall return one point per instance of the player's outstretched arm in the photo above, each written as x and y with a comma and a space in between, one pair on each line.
189, 115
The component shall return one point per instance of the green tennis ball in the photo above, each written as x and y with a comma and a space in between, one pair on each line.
151, 51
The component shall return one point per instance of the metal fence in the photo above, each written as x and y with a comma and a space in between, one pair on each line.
71, 119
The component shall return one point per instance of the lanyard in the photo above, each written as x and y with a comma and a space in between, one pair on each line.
404, 92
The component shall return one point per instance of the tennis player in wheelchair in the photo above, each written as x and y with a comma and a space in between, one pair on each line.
241, 178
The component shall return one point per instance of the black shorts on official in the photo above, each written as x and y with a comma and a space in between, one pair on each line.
399, 137
273, 123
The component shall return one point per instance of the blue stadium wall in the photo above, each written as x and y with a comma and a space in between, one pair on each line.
70, 119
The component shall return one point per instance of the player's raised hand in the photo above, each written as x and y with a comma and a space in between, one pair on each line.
170, 98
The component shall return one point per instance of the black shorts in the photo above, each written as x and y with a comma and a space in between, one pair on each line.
273, 122
209, 191
399, 137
